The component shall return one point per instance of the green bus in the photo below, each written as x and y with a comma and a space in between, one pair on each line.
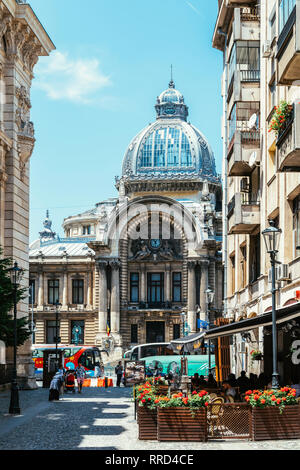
159, 355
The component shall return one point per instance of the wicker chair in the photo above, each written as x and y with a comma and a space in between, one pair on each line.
213, 396
215, 413
230, 399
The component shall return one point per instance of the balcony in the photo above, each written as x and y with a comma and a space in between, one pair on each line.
288, 143
243, 213
288, 46
243, 152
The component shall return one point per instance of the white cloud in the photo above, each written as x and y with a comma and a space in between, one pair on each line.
76, 80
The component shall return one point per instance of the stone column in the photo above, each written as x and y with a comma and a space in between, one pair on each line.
203, 286
191, 314
89, 288
168, 288
102, 316
115, 297
143, 288
65, 290
40, 291
3, 179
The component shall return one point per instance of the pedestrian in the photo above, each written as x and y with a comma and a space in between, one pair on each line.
55, 386
119, 372
80, 376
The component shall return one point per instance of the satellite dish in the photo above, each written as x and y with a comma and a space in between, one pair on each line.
252, 121
252, 158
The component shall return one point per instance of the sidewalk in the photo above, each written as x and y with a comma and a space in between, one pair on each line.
98, 419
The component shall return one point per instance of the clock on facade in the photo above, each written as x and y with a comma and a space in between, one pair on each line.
155, 243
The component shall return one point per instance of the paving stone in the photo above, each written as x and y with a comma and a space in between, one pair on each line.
98, 419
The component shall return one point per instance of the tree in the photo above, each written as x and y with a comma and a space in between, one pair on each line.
7, 305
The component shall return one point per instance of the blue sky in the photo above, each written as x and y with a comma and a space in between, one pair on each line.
98, 90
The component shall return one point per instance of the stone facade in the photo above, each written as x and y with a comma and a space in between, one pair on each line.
258, 186
153, 251
22, 41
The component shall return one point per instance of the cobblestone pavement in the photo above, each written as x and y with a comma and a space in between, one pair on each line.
98, 419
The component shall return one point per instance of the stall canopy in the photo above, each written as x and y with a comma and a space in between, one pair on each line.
282, 315
188, 344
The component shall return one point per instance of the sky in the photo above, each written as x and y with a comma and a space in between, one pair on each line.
98, 89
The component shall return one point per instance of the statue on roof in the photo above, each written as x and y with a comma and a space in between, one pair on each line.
47, 234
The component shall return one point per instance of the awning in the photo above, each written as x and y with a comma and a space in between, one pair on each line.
283, 314
188, 343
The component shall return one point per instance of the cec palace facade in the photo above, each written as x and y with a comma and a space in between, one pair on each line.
138, 265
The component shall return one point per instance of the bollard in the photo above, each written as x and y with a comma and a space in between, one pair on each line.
105, 382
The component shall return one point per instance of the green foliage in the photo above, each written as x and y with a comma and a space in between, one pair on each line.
7, 304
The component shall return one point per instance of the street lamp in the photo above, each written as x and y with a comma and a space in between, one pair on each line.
209, 297
14, 407
57, 305
271, 236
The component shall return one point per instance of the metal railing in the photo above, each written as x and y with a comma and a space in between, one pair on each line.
250, 13
250, 75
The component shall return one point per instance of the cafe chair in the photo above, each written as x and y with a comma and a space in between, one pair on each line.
214, 414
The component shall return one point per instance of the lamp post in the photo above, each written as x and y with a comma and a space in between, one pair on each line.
14, 407
57, 305
271, 236
209, 297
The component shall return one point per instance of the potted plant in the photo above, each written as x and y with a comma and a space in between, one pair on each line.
256, 355
275, 414
281, 116
147, 411
183, 418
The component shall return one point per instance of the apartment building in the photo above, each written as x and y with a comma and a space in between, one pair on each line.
260, 42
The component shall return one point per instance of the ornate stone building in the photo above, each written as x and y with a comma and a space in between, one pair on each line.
22, 40
140, 263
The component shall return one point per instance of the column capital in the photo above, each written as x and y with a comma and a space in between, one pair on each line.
191, 264
115, 264
102, 264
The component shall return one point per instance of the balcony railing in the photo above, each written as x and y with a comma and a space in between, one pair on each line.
250, 75
288, 143
243, 213
250, 13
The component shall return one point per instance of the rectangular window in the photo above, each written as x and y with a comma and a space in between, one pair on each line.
296, 226
86, 230
31, 299
254, 256
285, 9
77, 291
176, 331
51, 331
134, 287
245, 56
155, 285
134, 333
53, 291
232, 264
176, 285
243, 266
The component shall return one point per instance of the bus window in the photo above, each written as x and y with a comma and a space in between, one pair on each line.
135, 354
97, 357
87, 359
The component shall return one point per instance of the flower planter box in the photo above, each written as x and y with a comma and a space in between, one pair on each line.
269, 424
162, 389
178, 424
147, 421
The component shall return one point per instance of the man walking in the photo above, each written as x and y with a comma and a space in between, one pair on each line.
80, 376
119, 372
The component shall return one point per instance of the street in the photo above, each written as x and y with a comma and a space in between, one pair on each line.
99, 419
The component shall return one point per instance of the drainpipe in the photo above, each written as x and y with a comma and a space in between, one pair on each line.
224, 175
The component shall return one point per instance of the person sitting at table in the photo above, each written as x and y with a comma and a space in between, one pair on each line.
196, 382
211, 381
243, 382
227, 390
232, 380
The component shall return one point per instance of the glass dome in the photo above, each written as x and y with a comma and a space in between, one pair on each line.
167, 147
170, 147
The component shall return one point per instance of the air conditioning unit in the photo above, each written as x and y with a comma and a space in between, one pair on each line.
245, 185
266, 49
283, 272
